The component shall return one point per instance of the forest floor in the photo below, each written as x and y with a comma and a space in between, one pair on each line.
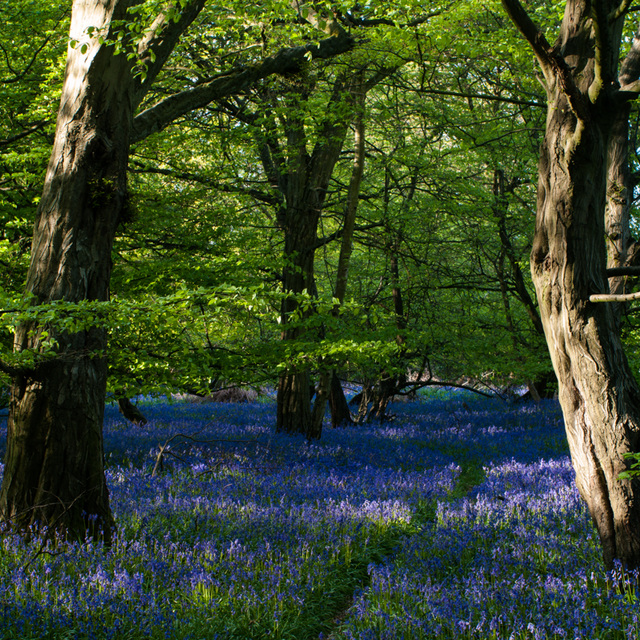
459, 519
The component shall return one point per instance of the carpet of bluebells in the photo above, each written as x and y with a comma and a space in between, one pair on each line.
459, 519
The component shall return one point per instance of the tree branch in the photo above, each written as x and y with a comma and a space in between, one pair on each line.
614, 297
138, 167
621, 9
616, 272
160, 115
532, 34
157, 45
321, 242
630, 68
350, 20
27, 132
13, 372
19, 75
553, 65
483, 96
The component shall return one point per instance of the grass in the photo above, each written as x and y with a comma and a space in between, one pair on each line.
454, 521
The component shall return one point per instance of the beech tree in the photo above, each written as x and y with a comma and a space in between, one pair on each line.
588, 93
54, 476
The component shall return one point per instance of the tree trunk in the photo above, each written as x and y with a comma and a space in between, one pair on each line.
340, 413
304, 186
54, 476
382, 393
618, 210
293, 397
617, 227
294, 403
599, 396
57, 481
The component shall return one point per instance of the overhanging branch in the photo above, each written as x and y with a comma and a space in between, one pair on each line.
483, 96
532, 34
290, 60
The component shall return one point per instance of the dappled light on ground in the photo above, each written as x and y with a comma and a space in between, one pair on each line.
454, 521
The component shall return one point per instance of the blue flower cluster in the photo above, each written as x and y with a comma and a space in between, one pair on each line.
515, 558
243, 533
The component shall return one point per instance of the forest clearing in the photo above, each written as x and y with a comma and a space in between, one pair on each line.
459, 519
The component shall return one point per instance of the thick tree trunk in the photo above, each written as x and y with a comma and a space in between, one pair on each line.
54, 477
54, 474
304, 186
293, 397
599, 396
598, 393
294, 403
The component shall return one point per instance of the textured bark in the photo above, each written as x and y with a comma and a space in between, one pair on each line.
617, 217
54, 476
618, 208
294, 403
54, 463
599, 396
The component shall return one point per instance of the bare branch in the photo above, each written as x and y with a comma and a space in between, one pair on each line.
614, 297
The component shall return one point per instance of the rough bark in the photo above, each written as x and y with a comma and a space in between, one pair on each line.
619, 195
54, 477
618, 208
54, 468
294, 403
599, 396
